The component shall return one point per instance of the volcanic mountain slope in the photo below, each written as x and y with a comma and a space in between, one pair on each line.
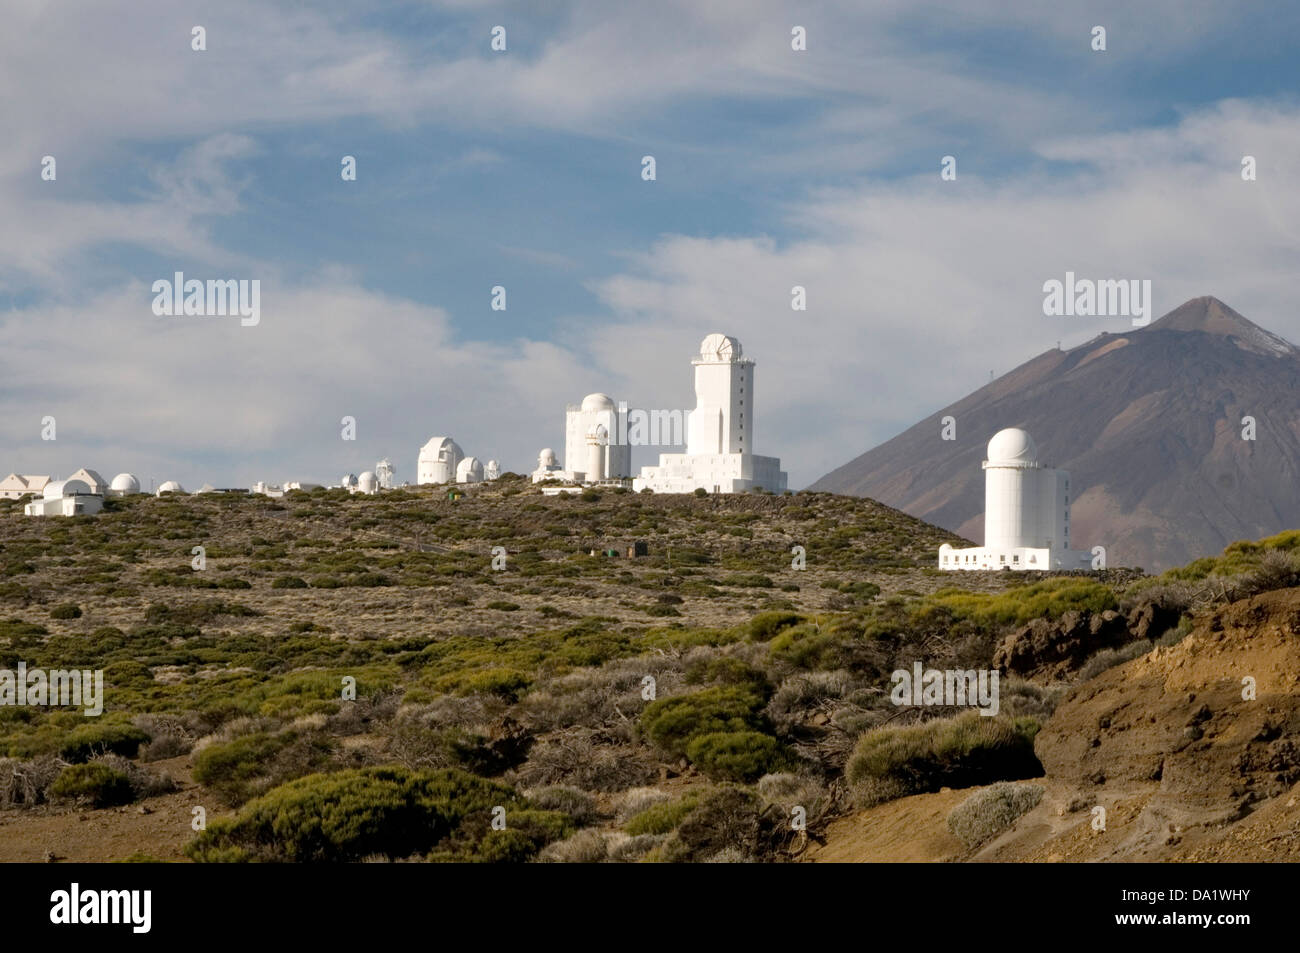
1148, 422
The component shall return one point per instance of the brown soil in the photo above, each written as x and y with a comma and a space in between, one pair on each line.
1185, 768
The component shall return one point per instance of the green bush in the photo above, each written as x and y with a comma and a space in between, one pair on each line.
989, 812
366, 811
765, 625
663, 817
672, 723
95, 784
66, 611
945, 752
737, 755
288, 582
246, 766
84, 743
508, 683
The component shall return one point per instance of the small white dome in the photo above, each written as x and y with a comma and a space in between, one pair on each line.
720, 348
125, 483
349, 480
593, 403
1012, 445
170, 486
547, 458
469, 470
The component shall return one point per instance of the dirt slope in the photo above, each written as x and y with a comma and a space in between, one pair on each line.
1184, 766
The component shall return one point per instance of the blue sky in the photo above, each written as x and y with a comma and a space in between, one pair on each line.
522, 168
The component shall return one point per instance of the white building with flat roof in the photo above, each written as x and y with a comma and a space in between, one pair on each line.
719, 453
1026, 513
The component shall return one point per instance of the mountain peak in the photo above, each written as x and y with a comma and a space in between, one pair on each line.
1209, 315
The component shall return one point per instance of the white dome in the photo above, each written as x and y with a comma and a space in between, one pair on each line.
61, 488
720, 348
437, 443
597, 433
1012, 445
349, 480
170, 486
593, 403
125, 483
367, 482
547, 458
469, 470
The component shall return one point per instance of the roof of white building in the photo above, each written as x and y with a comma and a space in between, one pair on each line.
1012, 445
597, 402
59, 489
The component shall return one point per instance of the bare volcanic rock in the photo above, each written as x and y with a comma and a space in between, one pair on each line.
1148, 422
1213, 722
1053, 649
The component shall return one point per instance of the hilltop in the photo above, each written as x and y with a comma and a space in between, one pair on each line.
682, 705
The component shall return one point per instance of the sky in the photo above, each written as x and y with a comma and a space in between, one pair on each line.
522, 168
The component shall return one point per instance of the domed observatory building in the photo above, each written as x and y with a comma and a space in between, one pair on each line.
469, 470
719, 453
124, 484
438, 461
548, 467
592, 451
71, 497
1026, 513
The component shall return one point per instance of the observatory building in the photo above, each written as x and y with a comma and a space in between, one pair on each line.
593, 451
71, 497
469, 470
438, 461
16, 486
124, 484
719, 433
1026, 513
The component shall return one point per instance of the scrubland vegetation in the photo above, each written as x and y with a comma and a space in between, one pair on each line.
681, 706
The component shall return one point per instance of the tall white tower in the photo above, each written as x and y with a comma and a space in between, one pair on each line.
723, 418
1012, 511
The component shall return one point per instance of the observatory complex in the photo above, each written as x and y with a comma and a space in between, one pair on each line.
719, 453
593, 452
1026, 513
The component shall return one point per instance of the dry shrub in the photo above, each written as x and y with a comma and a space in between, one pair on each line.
989, 812
635, 800
586, 759
566, 799
144, 782
27, 783
584, 847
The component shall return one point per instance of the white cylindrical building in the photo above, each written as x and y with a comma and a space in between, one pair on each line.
597, 437
1011, 506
